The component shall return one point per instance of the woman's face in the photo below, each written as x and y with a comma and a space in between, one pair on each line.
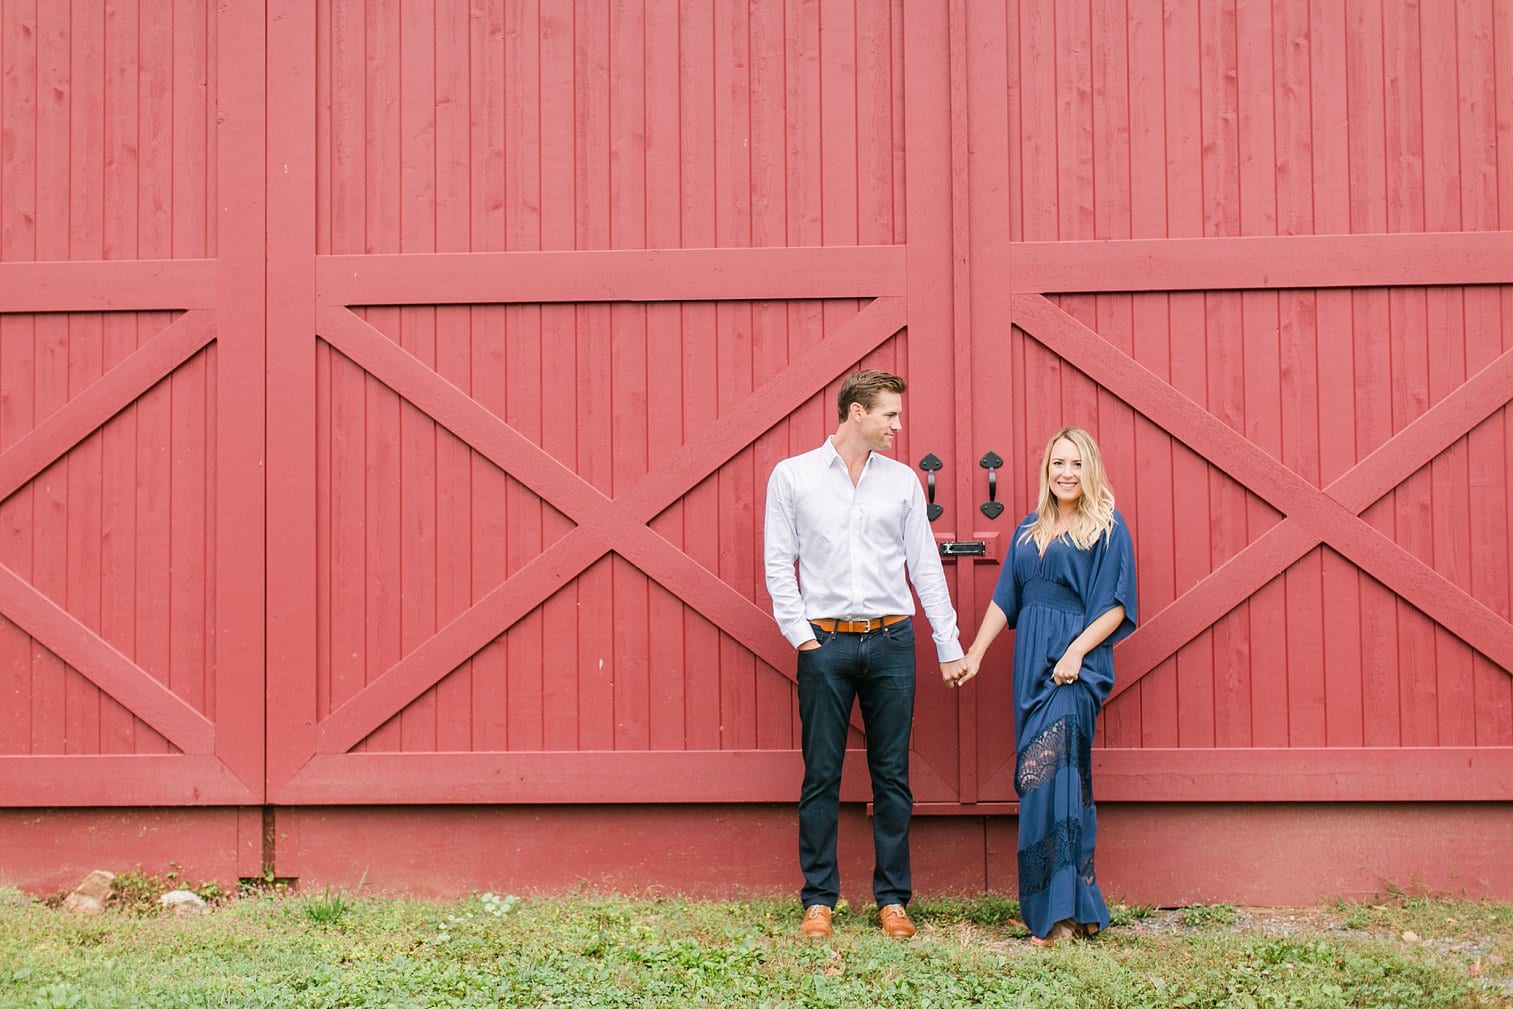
1065, 471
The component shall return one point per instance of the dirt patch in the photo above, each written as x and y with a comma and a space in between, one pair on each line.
1277, 921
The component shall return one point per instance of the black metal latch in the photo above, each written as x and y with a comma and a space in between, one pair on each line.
931, 464
963, 548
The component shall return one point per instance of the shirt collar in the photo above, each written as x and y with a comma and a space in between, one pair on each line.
832, 457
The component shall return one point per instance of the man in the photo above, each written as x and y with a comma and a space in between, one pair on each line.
855, 521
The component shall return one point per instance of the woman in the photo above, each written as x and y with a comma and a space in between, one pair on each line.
1069, 590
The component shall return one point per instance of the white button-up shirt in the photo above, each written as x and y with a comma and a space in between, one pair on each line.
852, 544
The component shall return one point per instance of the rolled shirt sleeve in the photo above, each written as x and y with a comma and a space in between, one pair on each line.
929, 578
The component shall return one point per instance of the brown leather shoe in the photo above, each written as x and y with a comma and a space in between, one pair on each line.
816, 923
895, 921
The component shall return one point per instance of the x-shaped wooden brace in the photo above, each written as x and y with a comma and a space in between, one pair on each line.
1313, 516
54, 627
602, 524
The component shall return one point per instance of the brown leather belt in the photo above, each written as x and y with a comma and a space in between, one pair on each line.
856, 626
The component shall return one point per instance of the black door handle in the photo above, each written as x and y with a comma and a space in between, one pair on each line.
992, 507
931, 464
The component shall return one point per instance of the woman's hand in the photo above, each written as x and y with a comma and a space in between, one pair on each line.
967, 669
1068, 668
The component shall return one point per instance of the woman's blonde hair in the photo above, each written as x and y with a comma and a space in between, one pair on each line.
1095, 508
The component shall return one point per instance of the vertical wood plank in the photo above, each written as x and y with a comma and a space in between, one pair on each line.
17, 366
352, 569
1368, 213
1261, 393
482, 169
597, 385
736, 520
155, 131
1150, 345
1484, 40
453, 224
1329, 139
233, 641
1259, 315
188, 519
20, 115
50, 391
187, 509
123, 115
1291, 48
564, 663
86, 240
985, 351
631, 406
1448, 349
382, 619
315, 593
528, 659
668, 672
419, 457
700, 336
192, 169
524, 331
1113, 120
1183, 319
1232, 711
775, 699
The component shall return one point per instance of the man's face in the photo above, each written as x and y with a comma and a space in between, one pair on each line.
882, 423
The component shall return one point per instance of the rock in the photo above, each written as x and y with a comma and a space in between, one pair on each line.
183, 903
89, 897
1410, 937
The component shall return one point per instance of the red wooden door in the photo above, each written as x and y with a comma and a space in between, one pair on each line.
557, 293
1287, 326
131, 410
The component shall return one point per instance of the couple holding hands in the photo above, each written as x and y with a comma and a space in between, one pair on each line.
845, 535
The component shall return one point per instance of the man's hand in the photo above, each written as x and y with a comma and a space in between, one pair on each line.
952, 673
809, 645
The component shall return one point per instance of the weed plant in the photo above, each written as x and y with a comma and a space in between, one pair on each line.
289, 950
1209, 915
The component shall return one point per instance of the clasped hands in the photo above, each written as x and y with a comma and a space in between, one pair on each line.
954, 674
959, 671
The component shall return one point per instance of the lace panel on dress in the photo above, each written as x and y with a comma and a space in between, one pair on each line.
1062, 847
1062, 744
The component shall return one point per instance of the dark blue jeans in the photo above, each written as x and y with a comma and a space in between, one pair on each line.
876, 669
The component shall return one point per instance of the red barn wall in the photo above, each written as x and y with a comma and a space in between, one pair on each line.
387, 395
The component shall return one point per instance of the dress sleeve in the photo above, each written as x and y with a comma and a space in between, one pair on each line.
1006, 593
1114, 580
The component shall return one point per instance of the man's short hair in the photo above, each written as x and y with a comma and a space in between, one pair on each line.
863, 388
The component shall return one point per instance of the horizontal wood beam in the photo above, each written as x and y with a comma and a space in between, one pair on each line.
620, 776
1320, 774
1288, 261
619, 275
108, 285
120, 779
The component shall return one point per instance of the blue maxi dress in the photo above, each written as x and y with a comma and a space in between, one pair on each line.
1049, 600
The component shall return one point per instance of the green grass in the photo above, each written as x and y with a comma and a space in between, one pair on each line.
1209, 915
589, 950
